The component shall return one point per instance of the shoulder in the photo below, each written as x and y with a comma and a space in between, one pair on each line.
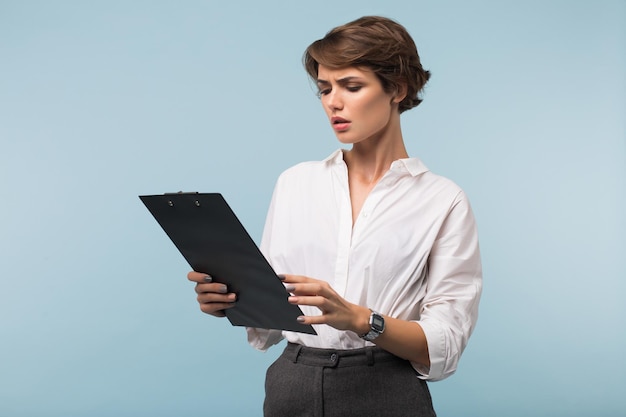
434, 193
442, 183
309, 170
428, 183
450, 199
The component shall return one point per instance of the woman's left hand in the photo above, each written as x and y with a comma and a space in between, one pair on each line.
336, 311
403, 338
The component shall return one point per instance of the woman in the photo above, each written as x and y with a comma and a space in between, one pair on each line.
380, 254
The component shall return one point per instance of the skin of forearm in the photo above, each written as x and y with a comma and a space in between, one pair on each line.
405, 339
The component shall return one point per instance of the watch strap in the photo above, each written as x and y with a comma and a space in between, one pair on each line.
377, 326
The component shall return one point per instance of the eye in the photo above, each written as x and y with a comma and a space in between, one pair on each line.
353, 88
321, 93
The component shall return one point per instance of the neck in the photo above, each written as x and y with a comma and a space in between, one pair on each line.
368, 160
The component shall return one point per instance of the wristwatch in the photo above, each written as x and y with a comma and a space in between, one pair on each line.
377, 327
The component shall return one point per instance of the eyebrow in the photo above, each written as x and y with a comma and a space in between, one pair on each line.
342, 81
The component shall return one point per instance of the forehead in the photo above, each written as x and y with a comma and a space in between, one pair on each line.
326, 74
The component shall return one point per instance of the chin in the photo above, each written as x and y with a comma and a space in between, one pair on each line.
345, 139
346, 142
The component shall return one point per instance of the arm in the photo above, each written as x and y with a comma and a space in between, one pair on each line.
402, 338
448, 310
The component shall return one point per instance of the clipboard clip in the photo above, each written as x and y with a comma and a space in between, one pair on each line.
171, 203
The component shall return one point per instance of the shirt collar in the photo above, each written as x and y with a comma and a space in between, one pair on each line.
335, 157
413, 166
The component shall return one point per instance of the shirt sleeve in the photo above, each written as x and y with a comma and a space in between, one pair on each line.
450, 307
263, 339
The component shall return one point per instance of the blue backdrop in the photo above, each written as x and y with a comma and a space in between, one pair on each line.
101, 101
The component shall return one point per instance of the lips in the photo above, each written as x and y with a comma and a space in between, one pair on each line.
339, 123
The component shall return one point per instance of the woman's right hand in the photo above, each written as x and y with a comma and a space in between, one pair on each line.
213, 297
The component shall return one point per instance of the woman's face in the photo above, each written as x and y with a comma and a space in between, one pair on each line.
356, 105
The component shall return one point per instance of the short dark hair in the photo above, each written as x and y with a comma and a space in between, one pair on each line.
375, 43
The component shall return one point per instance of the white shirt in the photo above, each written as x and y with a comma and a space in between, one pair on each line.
412, 253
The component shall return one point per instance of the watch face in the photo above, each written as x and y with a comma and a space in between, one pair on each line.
378, 322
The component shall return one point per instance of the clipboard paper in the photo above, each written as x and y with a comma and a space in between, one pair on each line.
212, 240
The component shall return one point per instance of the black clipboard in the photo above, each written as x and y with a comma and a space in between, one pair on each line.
212, 239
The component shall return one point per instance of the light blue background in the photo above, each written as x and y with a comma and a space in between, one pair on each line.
102, 101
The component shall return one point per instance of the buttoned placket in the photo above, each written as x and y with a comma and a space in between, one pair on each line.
348, 233
344, 235
370, 203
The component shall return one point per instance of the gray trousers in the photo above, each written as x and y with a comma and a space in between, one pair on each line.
310, 382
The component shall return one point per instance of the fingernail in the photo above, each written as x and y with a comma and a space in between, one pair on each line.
282, 277
223, 289
208, 278
300, 319
290, 287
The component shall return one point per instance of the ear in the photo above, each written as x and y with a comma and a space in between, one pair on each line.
400, 94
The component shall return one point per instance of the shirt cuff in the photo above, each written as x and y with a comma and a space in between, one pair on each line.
263, 339
436, 340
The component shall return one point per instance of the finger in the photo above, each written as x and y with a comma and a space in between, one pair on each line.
213, 287
216, 309
295, 279
312, 319
311, 300
307, 289
199, 277
211, 297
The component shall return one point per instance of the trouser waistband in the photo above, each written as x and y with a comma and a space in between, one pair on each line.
337, 358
